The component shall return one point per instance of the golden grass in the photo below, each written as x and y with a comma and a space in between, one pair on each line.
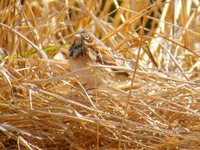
43, 107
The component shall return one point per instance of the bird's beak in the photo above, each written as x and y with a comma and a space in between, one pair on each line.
77, 36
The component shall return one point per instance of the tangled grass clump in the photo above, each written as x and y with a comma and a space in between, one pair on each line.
43, 106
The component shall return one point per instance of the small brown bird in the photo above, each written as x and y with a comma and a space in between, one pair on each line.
88, 50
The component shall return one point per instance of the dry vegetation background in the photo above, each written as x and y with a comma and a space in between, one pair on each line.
43, 107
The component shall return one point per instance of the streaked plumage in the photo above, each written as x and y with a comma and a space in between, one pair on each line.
88, 50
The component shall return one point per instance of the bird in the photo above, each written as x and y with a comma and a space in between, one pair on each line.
88, 50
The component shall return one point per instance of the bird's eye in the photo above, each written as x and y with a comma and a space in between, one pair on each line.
87, 37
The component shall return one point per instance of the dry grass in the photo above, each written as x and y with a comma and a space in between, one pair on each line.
43, 107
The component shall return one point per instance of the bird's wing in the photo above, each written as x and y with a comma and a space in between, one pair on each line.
105, 56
